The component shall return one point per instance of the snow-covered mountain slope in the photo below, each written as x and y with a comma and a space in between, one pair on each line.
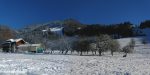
140, 48
147, 32
123, 41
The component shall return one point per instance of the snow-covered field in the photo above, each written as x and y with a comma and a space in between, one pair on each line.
137, 63
134, 64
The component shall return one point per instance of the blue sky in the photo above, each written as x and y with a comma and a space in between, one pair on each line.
17, 13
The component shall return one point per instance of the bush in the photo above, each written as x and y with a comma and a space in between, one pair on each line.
127, 49
130, 47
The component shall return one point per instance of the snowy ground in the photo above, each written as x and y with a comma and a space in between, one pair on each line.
39, 64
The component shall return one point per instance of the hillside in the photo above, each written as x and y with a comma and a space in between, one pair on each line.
68, 24
147, 33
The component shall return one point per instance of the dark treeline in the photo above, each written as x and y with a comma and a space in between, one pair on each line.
125, 29
118, 30
145, 24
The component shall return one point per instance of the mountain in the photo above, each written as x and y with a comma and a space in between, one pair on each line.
49, 30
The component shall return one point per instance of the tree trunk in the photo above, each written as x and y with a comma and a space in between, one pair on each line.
92, 52
51, 51
100, 53
66, 52
71, 51
81, 53
112, 53
62, 52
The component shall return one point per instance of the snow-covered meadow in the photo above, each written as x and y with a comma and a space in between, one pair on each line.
137, 63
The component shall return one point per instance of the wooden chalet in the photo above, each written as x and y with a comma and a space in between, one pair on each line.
19, 45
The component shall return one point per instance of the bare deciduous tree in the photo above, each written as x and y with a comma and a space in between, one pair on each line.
103, 43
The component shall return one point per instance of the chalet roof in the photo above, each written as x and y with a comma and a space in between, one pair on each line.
15, 40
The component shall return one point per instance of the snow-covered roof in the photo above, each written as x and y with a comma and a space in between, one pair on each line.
53, 29
44, 30
56, 29
11, 40
18, 39
15, 40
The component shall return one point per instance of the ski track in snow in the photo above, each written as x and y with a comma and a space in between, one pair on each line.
40, 64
